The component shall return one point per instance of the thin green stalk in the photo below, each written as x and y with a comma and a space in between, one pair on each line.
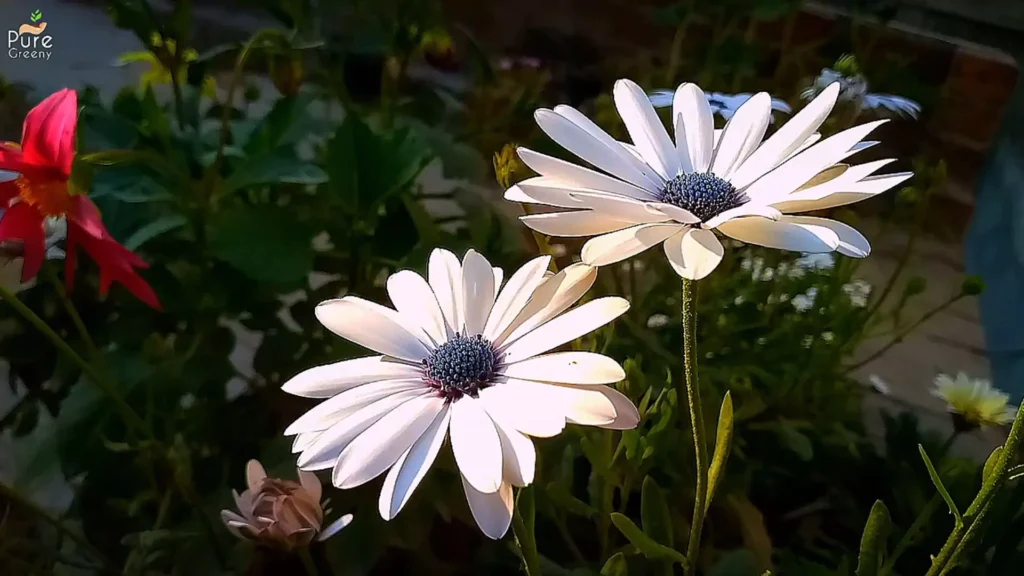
910, 535
131, 419
14, 496
950, 554
904, 333
690, 387
307, 561
69, 307
525, 542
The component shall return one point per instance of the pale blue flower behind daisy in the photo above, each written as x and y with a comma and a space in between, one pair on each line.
722, 104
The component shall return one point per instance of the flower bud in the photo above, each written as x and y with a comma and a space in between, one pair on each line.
280, 513
973, 285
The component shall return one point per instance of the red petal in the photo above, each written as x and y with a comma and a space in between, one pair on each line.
8, 191
11, 158
48, 136
117, 263
25, 223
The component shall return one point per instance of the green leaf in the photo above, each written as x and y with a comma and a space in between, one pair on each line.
940, 486
567, 502
872, 542
277, 167
723, 444
155, 228
648, 547
615, 566
654, 513
524, 531
796, 441
990, 464
265, 243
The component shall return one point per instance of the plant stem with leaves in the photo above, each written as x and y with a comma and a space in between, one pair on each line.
692, 391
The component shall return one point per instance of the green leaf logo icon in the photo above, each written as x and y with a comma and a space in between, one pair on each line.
36, 16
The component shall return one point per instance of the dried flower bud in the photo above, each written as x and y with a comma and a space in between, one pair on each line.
507, 165
280, 513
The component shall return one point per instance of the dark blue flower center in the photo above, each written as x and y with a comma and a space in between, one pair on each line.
461, 366
702, 194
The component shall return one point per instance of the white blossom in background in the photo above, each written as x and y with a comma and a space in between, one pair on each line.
858, 292
657, 321
880, 385
460, 357
853, 88
11, 261
816, 262
974, 401
683, 193
804, 302
724, 105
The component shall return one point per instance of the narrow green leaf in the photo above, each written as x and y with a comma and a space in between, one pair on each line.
654, 513
155, 228
872, 542
615, 566
523, 529
990, 464
644, 543
723, 444
569, 503
940, 486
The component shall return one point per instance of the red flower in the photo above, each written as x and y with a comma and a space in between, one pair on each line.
43, 163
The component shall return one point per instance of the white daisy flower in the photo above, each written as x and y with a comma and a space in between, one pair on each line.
725, 105
854, 89
974, 400
459, 356
656, 191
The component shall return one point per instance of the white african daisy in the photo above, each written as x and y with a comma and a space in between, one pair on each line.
725, 105
854, 89
459, 356
974, 400
656, 191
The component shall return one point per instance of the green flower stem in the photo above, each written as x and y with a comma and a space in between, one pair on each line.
525, 541
307, 561
904, 333
14, 496
131, 419
950, 554
69, 307
689, 317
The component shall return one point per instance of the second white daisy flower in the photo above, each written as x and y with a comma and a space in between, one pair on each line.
676, 193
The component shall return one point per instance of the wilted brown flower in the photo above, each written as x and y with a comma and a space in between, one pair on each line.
280, 513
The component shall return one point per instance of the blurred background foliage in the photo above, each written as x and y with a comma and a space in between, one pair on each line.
263, 175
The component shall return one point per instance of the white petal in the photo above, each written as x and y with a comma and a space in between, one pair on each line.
372, 326
477, 291
674, 212
555, 295
492, 512
517, 410
311, 484
568, 368
518, 456
587, 406
330, 411
324, 452
574, 224
619, 207
645, 128
578, 176
304, 440
499, 275
254, 473
866, 188
334, 527
855, 180
476, 445
331, 379
800, 168
566, 328
515, 295
415, 301
444, 273
376, 449
782, 235
626, 415
516, 194
616, 246
598, 149
694, 124
851, 242
742, 134
694, 253
408, 472
748, 209
788, 138
550, 191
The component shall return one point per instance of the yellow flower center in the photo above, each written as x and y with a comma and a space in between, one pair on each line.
48, 196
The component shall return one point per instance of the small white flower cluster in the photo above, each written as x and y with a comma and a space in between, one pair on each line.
858, 292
